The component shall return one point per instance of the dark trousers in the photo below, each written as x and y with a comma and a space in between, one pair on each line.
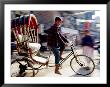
56, 51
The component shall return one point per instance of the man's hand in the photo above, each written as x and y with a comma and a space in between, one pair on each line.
66, 44
66, 34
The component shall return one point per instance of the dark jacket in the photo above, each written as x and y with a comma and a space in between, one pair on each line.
55, 37
87, 41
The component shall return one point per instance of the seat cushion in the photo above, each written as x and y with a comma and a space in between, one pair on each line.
34, 46
40, 59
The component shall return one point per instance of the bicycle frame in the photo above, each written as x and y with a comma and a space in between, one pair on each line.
71, 53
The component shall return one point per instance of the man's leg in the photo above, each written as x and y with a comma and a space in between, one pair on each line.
62, 47
57, 59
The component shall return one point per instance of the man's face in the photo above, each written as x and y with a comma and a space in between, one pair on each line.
58, 23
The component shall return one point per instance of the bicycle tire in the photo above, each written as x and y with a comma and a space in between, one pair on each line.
15, 66
77, 60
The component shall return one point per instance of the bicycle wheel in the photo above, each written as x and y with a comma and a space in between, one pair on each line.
80, 65
22, 67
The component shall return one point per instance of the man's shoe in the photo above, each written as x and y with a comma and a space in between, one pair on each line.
57, 72
57, 69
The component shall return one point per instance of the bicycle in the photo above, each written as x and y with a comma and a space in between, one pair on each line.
78, 63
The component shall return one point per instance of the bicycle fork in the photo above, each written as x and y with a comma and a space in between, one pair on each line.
76, 57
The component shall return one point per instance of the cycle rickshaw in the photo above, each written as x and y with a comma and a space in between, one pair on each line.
25, 29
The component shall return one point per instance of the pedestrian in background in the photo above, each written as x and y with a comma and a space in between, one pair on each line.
88, 43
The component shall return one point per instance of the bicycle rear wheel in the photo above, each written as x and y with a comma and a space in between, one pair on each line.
80, 65
22, 67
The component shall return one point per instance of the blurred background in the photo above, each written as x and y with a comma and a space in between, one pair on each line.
73, 23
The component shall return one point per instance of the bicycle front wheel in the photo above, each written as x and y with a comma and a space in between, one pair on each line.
82, 65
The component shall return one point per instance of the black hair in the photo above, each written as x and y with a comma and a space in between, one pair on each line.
57, 19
